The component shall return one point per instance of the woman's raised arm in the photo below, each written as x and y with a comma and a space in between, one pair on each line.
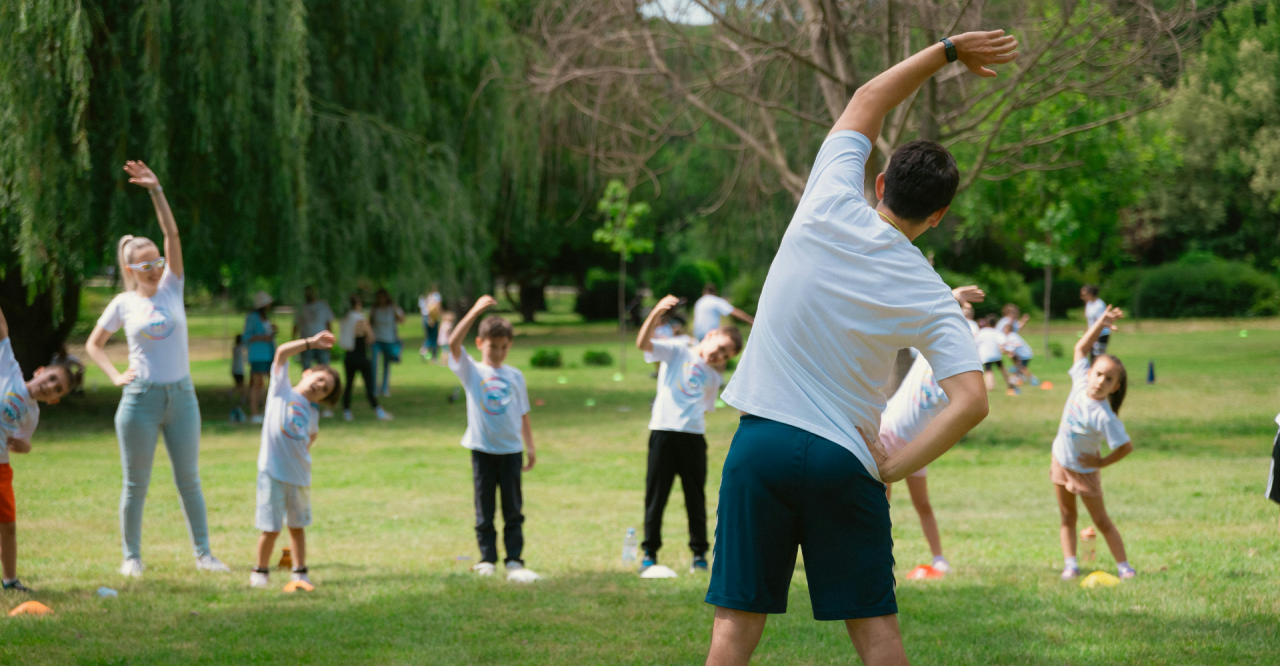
140, 174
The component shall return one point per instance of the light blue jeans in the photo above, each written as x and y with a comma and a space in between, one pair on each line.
145, 411
385, 350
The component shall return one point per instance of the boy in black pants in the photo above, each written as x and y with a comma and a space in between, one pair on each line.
687, 388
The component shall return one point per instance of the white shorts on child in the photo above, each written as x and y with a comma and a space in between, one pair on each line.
277, 499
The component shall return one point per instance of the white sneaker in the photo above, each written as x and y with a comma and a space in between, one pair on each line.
328, 414
211, 563
941, 564
258, 580
484, 568
347, 415
300, 576
256, 420
132, 567
516, 573
383, 415
1069, 573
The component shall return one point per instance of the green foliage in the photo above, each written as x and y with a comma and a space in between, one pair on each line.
619, 228
1064, 295
1198, 286
744, 293
597, 358
1056, 226
599, 299
1001, 287
546, 358
684, 280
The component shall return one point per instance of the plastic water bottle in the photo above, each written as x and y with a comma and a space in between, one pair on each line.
629, 546
1088, 544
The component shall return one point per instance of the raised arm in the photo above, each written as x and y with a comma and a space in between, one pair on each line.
969, 294
644, 339
1022, 321
1108, 319
95, 347
742, 316
877, 97
321, 340
139, 174
968, 407
460, 331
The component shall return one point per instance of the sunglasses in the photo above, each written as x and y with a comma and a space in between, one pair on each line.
146, 266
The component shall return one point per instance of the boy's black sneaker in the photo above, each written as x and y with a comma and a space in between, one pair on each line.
16, 586
699, 564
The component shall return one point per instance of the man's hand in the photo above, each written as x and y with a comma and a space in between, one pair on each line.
877, 450
979, 49
969, 294
321, 340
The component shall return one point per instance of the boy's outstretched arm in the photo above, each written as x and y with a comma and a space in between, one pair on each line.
644, 339
1108, 319
877, 97
321, 340
460, 331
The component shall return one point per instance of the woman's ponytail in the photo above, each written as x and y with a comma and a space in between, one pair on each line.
123, 251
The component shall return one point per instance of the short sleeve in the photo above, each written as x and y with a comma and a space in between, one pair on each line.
8, 362
1113, 428
945, 341
663, 350
841, 164
723, 307
170, 283
463, 366
279, 378
1079, 370
112, 318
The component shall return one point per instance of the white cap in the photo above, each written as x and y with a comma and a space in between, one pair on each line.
261, 300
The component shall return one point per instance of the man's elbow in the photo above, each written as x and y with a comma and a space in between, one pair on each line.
976, 409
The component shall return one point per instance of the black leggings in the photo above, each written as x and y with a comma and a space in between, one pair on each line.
354, 363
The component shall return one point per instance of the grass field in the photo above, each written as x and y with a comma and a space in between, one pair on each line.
393, 520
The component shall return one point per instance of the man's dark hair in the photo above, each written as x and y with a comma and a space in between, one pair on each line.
494, 326
921, 179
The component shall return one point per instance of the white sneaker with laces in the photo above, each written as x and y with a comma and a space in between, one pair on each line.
257, 579
211, 563
1070, 573
347, 415
383, 415
484, 568
300, 576
132, 567
257, 419
941, 564
516, 573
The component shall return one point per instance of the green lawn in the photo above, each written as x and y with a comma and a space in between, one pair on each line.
393, 516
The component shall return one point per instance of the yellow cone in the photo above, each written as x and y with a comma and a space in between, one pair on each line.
30, 608
1099, 579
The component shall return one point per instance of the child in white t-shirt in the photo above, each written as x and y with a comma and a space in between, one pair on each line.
289, 429
1020, 353
239, 352
1090, 418
990, 342
19, 416
688, 385
1095, 307
499, 434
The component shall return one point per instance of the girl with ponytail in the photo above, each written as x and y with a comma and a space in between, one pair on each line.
158, 395
1090, 418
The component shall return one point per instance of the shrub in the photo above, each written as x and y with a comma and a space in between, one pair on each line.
1063, 295
547, 358
744, 293
599, 301
684, 280
1001, 287
1197, 286
592, 357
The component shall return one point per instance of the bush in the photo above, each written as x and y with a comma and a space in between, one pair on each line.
744, 293
1064, 295
547, 358
1001, 287
1196, 286
601, 358
599, 301
684, 280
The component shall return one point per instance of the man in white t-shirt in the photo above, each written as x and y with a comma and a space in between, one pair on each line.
313, 317
1095, 307
846, 291
710, 309
688, 386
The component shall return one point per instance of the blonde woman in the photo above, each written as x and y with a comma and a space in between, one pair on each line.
158, 394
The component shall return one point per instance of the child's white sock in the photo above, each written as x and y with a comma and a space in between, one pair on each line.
8, 581
1072, 563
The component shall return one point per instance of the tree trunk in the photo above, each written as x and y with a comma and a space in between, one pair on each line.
622, 312
1048, 289
35, 338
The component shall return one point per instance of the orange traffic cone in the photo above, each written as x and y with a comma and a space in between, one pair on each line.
924, 572
30, 608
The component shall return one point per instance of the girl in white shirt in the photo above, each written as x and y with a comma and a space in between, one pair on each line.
158, 393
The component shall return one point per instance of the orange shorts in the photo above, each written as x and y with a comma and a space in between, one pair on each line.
8, 508
1076, 483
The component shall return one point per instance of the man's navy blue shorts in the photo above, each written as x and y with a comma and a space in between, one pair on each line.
784, 487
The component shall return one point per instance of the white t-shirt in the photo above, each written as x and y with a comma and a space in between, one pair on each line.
347, 330
287, 426
19, 412
1015, 344
156, 329
238, 354
1094, 309
1086, 423
918, 400
707, 312
687, 388
496, 401
990, 343
312, 318
973, 326
845, 292
1008, 320
384, 323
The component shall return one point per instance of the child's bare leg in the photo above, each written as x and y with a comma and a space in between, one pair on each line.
1102, 521
1005, 373
266, 544
9, 549
919, 488
1067, 507
989, 378
298, 541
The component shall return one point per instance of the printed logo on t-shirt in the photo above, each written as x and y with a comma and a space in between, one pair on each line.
158, 325
13, 409
930, 393
294, 420
1077, 416
692, 379
495, 396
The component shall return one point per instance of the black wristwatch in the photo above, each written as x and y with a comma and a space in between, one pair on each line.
952, 56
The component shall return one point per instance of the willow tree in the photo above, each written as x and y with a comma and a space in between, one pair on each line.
326, 142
